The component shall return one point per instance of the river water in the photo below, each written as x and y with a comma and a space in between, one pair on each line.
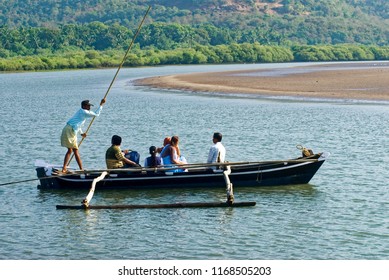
341, 214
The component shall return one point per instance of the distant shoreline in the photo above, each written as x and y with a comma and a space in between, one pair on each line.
355, 81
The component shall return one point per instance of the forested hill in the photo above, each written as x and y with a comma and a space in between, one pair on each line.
272, 21
228, 13
63, 34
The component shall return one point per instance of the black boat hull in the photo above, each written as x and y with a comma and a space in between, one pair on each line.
253, 174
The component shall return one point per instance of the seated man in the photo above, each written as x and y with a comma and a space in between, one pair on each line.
217, 152
114, 157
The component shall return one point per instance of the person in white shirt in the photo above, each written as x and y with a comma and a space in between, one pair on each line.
217, 153
72, 127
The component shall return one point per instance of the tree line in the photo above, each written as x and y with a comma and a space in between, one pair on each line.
275, 21
199, 54
98, 36
96, 44
165, 36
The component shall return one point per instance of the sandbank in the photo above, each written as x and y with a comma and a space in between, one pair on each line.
359, 81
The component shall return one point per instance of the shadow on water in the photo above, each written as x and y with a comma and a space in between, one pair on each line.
306, 189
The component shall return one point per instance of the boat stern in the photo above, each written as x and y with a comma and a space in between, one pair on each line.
45, 176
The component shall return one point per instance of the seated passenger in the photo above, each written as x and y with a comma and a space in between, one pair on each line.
166, 142
153, 160
114, 157
217, 152
171, 154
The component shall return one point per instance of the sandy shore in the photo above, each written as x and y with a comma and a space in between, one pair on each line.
365, 81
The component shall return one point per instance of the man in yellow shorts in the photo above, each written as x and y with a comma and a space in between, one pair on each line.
72, 127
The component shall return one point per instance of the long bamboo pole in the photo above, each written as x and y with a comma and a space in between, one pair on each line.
116, 74
155, 206
190, 166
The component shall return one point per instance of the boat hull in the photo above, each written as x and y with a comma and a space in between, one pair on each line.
253, 174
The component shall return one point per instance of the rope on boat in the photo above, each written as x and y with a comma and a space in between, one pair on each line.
17, 182
305, 151
116, 74
36, 179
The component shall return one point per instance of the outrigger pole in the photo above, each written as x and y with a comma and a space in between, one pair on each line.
116, 74
156, 206
229, 203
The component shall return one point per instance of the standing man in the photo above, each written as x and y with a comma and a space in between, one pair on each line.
217, 153
72, 127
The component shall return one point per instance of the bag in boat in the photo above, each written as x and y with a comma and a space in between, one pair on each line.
133, 156
307, 152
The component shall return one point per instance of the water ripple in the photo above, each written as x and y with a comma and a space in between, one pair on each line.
342, 214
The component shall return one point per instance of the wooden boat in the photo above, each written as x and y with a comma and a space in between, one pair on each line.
243, 174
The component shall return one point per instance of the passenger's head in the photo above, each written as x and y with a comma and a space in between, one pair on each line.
116, 140
174, 141
152, 150
166, 141
217, 136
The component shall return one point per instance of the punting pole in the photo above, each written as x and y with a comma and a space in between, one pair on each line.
154, 206
116, 74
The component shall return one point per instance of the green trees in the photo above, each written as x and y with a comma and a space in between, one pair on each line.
345, 52
234, 53
182, 32
214, 22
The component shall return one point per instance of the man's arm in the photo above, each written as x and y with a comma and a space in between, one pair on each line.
119, 156
212, 156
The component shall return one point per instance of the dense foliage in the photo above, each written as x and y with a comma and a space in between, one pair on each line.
233, 53
48, 34
99, 36
299, 21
